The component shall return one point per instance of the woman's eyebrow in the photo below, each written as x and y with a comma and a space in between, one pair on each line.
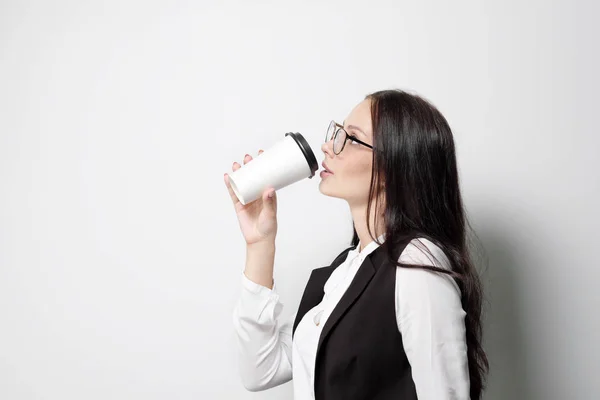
354, 127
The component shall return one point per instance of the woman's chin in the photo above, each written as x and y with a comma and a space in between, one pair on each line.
325, 190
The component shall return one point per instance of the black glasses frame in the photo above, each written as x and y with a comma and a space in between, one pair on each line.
348, 136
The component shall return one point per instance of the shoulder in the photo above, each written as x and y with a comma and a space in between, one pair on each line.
422, 251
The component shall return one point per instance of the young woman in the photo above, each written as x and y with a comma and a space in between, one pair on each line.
398, 314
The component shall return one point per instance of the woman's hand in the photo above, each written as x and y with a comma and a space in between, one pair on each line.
258, 219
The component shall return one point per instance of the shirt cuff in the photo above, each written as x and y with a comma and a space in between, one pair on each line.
258, 302
256, 288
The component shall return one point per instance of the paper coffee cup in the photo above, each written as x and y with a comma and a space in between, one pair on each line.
289, 160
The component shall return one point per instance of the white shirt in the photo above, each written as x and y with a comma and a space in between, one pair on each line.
429, 316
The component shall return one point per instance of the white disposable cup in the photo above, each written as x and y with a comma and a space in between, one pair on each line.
289, 160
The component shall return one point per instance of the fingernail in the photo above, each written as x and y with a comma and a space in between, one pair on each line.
271, 194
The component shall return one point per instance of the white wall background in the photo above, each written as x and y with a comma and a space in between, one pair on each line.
121, 256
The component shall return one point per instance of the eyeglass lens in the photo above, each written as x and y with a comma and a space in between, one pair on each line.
340, 137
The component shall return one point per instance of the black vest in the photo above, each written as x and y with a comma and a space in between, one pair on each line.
360, 353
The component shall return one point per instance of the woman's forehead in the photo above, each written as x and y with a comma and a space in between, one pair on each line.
359, 119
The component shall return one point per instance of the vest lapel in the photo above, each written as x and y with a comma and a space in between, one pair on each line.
363, 276
313, 293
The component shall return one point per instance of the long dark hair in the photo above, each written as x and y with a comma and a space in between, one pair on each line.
415, 170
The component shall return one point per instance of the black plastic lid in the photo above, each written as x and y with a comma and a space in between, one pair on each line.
307, 151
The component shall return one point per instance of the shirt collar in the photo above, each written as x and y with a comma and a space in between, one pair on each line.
372, 246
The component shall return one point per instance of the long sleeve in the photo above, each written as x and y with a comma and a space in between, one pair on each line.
431, 320
264, 344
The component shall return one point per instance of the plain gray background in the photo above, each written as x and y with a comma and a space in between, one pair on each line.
120, 253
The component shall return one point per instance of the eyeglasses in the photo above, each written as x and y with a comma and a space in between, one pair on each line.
339, 135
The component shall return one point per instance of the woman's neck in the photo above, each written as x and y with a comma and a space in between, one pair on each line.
359, 216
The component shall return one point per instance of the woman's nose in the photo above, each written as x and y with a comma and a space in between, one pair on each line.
326, 148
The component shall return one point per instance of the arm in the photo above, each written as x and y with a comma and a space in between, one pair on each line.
264, 345
431, 320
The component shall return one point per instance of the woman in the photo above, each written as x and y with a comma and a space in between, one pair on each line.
398, 314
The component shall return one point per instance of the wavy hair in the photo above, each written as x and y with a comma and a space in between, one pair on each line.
415, 171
